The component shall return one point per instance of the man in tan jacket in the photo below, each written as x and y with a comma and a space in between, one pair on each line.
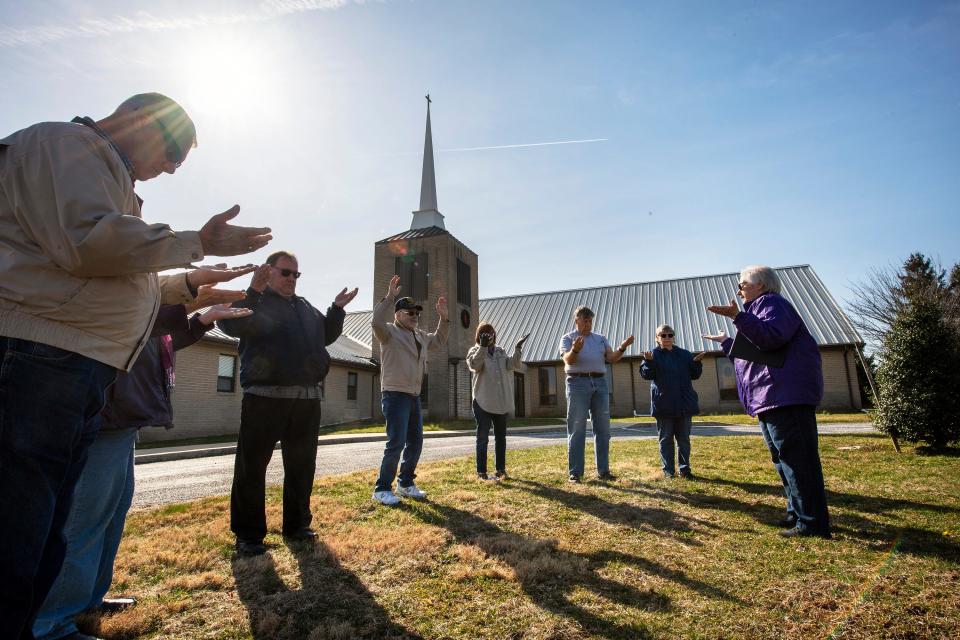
403, 361
78, 295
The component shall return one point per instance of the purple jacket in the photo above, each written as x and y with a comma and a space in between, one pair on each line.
770, 322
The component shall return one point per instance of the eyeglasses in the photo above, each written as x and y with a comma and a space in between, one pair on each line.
741, 285
173, 153
412, 313
666, 335
286, 273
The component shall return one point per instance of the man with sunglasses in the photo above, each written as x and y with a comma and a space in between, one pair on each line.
283, 360
78, 296
403, 361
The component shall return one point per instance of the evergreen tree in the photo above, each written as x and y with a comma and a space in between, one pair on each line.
919, 376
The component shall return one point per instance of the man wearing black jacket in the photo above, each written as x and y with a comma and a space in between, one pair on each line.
283, 359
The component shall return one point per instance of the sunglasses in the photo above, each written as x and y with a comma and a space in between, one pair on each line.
666, 335
412, 313
173, 153
289, 272
741, 285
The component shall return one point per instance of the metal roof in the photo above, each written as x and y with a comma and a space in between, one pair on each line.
410, 234
622, 310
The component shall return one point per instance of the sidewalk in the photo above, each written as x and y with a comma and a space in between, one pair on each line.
186, 452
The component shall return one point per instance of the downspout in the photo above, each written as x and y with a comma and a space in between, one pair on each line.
846, 368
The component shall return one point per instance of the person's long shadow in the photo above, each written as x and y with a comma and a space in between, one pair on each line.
652, 519
330, 597
549, 575
856, 524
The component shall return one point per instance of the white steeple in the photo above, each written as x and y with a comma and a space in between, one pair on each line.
428, 215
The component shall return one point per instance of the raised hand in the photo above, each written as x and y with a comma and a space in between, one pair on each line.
222, 312
442, 307
729, 310
393, 290
217, 273
261, 278
626, 343
577, 344
697, 357
344, 297
648, 356
220, 238
208, 295
719, 337
521, 341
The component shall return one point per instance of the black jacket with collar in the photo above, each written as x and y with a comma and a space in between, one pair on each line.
283, 343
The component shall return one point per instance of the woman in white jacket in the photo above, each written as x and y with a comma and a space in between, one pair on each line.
492, 395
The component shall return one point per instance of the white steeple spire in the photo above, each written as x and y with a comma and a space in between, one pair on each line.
428, 215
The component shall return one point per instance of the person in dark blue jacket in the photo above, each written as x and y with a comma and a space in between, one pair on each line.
673, 402
283, 360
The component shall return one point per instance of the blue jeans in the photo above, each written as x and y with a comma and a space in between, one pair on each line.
100, 503
49, 401
669, 428
404, 436
498, 421
588, 395
791, 435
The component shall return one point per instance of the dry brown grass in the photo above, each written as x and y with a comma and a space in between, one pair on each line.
539, 559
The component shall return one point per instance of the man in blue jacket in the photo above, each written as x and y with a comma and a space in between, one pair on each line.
283, 360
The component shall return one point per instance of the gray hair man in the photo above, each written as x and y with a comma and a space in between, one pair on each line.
78, 297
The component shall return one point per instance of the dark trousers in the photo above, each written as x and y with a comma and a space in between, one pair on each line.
49, 403
404, 439
263, 423
668, 429
791, 435
498, 421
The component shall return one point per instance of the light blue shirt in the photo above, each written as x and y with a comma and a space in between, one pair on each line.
592, 358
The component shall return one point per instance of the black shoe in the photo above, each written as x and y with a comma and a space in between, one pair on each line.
502, 475
303, 534
574, 479
606, 477
787, 523
114, 605
250, 548
687, 475
797, 532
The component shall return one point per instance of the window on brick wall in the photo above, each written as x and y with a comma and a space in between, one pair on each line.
610, 383
226, 373
351, 385
726, 379
463, 283
548, 386
413, 270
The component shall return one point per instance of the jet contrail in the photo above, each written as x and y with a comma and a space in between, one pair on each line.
529, 144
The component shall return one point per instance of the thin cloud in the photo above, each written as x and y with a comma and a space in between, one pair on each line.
144, 21
528, 144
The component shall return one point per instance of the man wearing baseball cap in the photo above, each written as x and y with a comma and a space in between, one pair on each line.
403, 361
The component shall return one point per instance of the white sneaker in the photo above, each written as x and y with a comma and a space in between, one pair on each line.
388, 498
411, 492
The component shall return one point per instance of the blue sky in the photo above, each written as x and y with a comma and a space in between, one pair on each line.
734, 132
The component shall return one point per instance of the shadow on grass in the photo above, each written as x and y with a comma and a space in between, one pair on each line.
652, 519
853, 523
549, 576
331, 602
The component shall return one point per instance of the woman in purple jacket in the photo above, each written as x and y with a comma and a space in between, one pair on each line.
783, 399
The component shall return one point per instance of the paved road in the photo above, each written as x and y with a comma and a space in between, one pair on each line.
183, 480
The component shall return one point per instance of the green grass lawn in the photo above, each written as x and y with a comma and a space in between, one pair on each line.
535, 557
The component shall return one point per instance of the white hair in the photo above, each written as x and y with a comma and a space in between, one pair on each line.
762, 275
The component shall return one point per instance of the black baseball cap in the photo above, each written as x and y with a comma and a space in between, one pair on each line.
406, 303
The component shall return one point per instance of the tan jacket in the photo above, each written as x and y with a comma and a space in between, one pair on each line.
77, 263
492, 382
401, 369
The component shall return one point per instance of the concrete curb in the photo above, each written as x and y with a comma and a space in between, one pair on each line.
187, 452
